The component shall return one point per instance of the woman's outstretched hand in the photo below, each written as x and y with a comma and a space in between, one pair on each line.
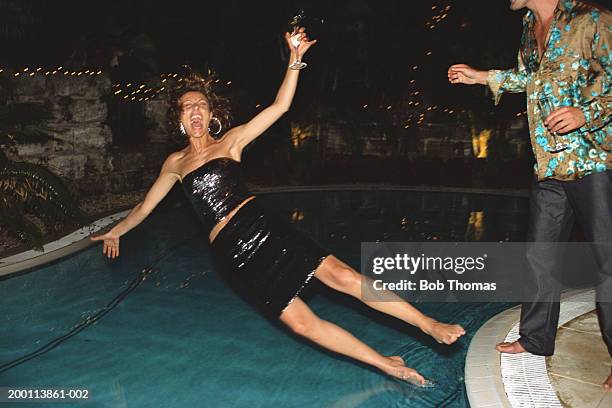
111, 244
304, 43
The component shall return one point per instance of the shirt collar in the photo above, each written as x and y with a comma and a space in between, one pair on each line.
564, 7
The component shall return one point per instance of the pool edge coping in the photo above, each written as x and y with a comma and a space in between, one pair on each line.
52, 251
521, 193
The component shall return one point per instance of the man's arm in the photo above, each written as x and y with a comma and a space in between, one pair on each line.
509, 80
596, 97
499, 81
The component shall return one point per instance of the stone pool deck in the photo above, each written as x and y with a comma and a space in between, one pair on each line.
570, 378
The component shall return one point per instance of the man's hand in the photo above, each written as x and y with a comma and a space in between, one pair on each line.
464, 74
565, 120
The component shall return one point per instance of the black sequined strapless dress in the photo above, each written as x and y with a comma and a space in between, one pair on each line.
265, 254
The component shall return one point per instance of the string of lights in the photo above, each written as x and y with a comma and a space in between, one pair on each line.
30, 72
140, 92
416, 103
129, 92
441, 15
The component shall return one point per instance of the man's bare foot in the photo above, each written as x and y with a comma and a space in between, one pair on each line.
396, 367
608, 384
511, 348
442, 332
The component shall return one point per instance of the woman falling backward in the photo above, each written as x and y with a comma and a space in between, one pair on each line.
271, 259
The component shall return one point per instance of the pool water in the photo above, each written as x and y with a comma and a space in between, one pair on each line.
184, 338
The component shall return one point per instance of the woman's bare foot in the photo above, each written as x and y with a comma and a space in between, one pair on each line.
396, 367
511, 348
608, 384
442, 332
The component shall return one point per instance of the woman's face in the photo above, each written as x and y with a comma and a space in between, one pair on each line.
195, 113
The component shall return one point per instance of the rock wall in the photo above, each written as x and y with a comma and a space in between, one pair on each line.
83, 152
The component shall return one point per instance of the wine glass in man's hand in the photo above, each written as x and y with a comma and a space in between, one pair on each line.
547, 107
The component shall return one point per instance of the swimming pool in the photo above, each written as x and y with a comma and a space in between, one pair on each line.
183, 338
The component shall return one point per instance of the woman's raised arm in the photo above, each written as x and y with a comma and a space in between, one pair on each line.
242, 135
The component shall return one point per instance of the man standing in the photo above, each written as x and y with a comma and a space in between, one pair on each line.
565, 67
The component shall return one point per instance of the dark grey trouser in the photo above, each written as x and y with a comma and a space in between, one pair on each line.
554, 207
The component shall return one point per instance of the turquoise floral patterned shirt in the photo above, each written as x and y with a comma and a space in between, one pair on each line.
575, 70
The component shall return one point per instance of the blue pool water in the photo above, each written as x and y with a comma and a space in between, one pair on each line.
183, 338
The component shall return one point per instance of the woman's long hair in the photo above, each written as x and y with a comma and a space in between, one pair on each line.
193, 81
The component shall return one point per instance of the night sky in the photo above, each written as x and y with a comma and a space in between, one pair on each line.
367, 50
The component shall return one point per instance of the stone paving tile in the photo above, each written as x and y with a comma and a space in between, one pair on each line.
580, 364
581, 356
574, 394
606, 402
586, 323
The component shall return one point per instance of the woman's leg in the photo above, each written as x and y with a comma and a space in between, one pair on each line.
341, 277
301, 320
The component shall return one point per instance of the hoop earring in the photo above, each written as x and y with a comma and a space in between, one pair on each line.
218, 124
182, 129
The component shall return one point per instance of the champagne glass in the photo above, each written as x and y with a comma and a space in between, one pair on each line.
294, 25
547, 107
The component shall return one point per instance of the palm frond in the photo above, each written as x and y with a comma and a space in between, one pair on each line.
20, 227
28, 134
39, 191
28, 189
